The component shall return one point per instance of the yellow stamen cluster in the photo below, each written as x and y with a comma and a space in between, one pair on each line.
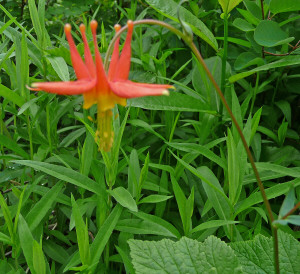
104, 134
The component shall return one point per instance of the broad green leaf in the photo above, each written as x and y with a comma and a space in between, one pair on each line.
184, 256
38, 258
56, 252
5, 239
13, 145
205, 177
243, 24
126, 260
35, 19
182, 205
137, 226
146, 126
72, 137
202, 83
42, 207
249, 16
283, 62
12, 96
134, 172
269, 34
104, 234
212, 224
124, 198
158, 221
26, 240
228, 5
87, 151
174, 102
27, 105
65, 174
271, 192
7, 216
247, 59
234, 182
256, 256
278, 6
293, 219
169, 9
81, 233
143, 175
279, 169
202, 150
33, 51
60, 66
288, 203
219, 203
237, 41
285, 107
155, 198
100, 240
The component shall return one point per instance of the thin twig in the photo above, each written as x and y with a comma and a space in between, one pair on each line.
291, 211
213, 81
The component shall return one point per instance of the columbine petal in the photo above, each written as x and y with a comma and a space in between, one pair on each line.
102, 83
128, 89
115, 56
123, 66
65, 88
87, 53
78, 65
90, 98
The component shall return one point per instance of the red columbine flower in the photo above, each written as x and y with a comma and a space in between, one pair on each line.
99, 88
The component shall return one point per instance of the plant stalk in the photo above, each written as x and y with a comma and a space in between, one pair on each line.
291, 211
225, 52
263, 18
197, 54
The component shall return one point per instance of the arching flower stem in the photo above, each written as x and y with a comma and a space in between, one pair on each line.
200, 59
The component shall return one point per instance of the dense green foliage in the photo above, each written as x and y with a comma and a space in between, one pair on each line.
177, 189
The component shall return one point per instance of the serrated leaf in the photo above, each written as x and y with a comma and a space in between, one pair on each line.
256, 256
184, 256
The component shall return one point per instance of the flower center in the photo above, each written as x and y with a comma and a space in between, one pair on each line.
104, 134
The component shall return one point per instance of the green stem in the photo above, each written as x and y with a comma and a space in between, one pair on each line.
263, 18
254, 92
48, 128
197, 54
225, 52
1, 132
30, 136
